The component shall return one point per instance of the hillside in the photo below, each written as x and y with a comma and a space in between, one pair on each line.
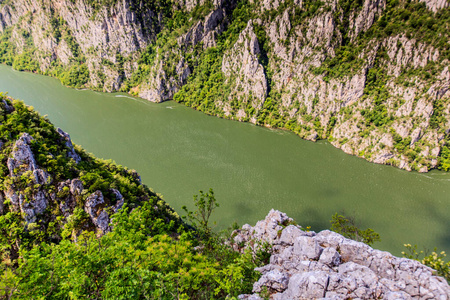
370, 76
75, 226
72, 225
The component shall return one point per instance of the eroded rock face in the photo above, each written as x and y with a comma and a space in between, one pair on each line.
119, 198
162, 85
68, 194
306, 265
98, 35
68, 142
22, 163
94, 206
244, 72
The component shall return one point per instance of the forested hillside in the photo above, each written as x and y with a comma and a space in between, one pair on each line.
370, 76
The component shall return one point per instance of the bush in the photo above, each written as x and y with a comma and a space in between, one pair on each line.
346, 227
435, 260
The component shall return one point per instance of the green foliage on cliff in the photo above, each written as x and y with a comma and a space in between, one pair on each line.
347, 227
150, 252
50, 153
131, 262
77, 76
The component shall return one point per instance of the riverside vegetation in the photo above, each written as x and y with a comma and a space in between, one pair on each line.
370, 76
75, 226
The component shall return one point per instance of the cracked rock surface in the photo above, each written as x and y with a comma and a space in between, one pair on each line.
326, 265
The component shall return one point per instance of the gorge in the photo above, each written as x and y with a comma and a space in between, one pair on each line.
179, 151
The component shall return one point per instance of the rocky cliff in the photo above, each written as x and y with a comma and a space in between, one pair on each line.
370, 76
325, 265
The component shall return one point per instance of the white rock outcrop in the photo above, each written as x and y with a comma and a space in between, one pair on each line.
326, 265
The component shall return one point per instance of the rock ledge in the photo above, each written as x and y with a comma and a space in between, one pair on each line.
326, 265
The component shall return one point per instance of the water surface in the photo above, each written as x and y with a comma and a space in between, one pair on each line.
179, 151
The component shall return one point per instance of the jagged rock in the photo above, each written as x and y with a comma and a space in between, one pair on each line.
305, 246
94, 207
309, 285
68, 142
278, 281
119, 198
12, 196
22, 160
204, 31
68, 193
243, 69
8, 108
314, 268
290, 234
76, 187
34, 207
330, 257
436, 5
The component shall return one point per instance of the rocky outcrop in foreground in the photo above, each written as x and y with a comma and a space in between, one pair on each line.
326, 265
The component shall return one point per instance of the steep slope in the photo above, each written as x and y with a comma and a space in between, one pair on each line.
49, 190
370, 76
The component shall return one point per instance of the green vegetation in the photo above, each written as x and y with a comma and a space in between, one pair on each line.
337, 58
150, 252
434, 260
138, 259
346, 226
77, 76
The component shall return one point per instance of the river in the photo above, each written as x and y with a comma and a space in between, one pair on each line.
179, 151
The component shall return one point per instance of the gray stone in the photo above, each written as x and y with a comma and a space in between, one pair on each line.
314, 268
308, 247
289, 234
76, 187
330, 257
68, 142
94, 207
309, 285
275, 279
397, 296
119, 198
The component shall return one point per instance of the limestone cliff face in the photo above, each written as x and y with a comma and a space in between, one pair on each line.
63, 31
33, 199
244, 72
326, 265
374, 87
326, 106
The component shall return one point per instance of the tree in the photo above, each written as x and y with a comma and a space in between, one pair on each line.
346, 226
205, 204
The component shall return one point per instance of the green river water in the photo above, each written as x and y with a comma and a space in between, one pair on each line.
179, 151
